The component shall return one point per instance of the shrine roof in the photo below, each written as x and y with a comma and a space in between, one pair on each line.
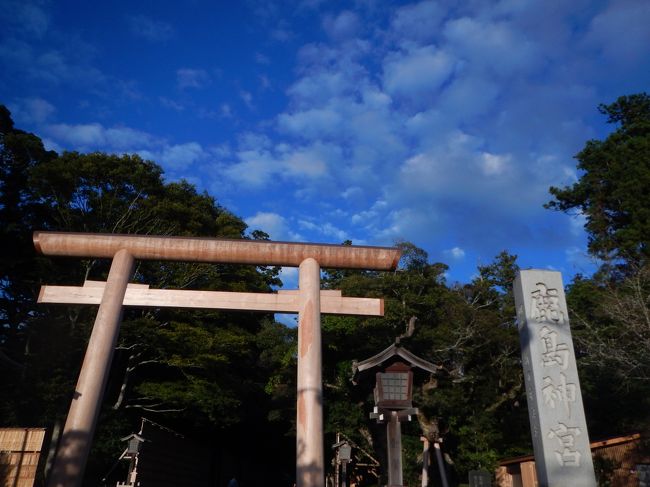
395, 350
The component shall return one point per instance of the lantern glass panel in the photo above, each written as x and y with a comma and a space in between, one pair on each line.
345, 453
134, 445
395, 386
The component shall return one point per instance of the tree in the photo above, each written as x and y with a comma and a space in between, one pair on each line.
20, 152
611, 330
613, 186
205, 373
476, 401
609, 311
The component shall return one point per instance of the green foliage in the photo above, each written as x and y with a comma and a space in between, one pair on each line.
214, 374
203, 373
612, 335
609, 310
475, 402
613, 185
20, 152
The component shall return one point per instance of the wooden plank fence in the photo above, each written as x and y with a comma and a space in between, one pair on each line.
20, 449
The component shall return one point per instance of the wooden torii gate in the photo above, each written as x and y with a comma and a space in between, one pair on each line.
308, 301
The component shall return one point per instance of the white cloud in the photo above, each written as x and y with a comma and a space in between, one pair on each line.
418, 21
192, 78
169, 103
150, 29
225, 110
51, 65
467, 99
580, 260
457, 119
32, 110
409, 121
352, 192
262, 59
273, 224
417, 72
494, 46
259, 165
406, 224
247, 98
311, 123
493, 164
321, 86
95, 136
577, 224
441, 134
309, 161
221, 151
621, 31
326, 229
181, 156
282, 32
343, 26
253, 141
447, 168
253, 168
369, 218
49, 144
265, 82
455, 253
80, 136
24, 18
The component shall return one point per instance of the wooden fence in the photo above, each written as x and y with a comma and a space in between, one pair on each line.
20, 449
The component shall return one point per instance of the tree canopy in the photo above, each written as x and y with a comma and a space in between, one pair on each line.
201, 372
609, 310
216, 375
612, 189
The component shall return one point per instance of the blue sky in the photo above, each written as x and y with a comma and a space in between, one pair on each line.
438, 122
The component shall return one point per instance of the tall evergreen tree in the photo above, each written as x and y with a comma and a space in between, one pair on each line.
609, 311
612, 189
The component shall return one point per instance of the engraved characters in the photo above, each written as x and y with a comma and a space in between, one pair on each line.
555, 354
546, 305
566, 456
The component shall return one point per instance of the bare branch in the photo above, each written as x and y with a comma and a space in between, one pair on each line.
150, 408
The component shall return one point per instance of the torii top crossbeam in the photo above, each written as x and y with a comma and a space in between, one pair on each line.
258, 252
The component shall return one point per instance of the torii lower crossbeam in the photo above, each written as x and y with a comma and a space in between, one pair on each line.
331, 301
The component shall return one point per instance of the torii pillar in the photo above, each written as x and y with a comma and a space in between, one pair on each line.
80, 425
309, 407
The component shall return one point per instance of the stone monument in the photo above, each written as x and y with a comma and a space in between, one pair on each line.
557, 418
